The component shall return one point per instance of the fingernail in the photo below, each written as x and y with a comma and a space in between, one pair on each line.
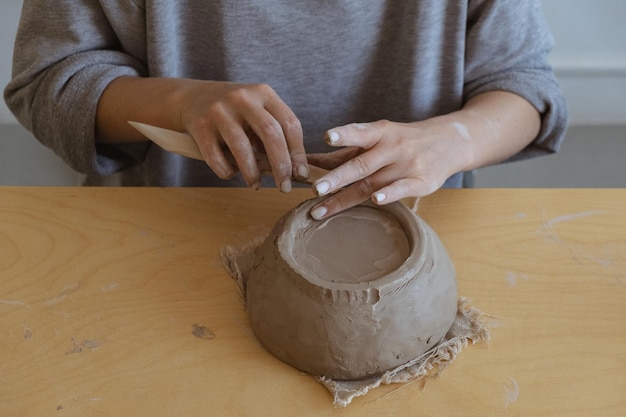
318, 212
333, 137
379, 197
322, 187
285, 186
303, 172
256, 185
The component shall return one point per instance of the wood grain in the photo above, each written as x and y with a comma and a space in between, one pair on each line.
114, 302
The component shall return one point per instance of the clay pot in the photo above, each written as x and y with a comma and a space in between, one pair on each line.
352, 296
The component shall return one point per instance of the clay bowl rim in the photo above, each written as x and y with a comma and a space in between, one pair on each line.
398, 277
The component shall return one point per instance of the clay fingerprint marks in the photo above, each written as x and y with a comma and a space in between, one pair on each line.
511, 392
512, 278
63, 295
578, 253
28, 333
202, 332
14, 303
84, 345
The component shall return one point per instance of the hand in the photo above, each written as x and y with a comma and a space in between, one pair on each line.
385, 161
245, 118
399, 160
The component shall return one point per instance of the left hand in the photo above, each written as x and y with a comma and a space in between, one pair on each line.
385, 161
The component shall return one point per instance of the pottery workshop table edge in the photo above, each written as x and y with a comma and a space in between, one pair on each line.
113, 301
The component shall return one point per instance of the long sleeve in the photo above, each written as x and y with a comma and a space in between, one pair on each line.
66, 53
404, 61
507, 49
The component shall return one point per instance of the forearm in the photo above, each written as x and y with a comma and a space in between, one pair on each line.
490, 128
155, 101
399, 160
217, 115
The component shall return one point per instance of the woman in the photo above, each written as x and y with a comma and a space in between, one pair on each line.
413, 93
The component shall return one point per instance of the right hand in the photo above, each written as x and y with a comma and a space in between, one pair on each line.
245, 118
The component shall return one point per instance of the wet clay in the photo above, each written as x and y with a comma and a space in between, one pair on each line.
360, 245
352, 296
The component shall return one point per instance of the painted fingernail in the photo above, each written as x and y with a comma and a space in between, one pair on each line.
319, 212
322, 187
285, 186
303, 172
379, 197
333, 137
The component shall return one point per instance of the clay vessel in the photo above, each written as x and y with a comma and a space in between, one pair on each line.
354, 295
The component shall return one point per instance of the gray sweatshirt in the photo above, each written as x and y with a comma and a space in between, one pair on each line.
332, 61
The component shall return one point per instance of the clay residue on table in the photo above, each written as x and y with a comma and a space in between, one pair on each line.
85, 344
202, 332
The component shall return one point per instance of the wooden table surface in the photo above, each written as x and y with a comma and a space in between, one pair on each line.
113, 302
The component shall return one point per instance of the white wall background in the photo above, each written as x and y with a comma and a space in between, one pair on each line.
9, 16
589, 58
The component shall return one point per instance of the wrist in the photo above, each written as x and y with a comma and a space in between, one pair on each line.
452, 143
490, 128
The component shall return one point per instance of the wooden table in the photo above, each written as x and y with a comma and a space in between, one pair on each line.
113, 302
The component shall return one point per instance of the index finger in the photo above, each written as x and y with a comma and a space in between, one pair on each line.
365, 136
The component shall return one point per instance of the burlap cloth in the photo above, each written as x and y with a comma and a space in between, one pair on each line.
467, 327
